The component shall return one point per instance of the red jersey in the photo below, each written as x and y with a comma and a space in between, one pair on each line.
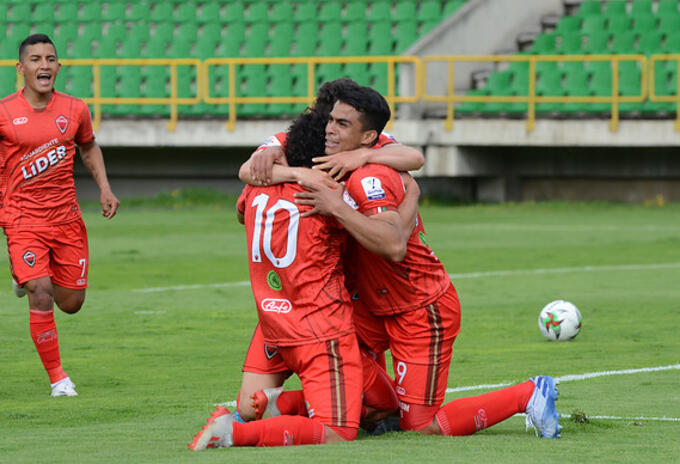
386, 287
279, 140
37, 149
295, 268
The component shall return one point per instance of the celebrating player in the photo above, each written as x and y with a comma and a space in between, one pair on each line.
414, 298
46, 236
304, 310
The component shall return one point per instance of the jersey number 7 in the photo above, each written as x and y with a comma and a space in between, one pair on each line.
266, 220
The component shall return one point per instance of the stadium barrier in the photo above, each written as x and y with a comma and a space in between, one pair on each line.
203, 70
531, 99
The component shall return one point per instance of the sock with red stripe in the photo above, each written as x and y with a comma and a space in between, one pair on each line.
44, 334
292, 403
279, 431
466, 416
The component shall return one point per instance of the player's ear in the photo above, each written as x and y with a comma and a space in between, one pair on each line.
368, 137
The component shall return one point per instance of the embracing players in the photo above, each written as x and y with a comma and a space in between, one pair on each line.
39, 212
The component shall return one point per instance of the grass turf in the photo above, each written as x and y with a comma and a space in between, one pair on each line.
150, 365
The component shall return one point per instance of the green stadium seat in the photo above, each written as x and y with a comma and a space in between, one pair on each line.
113, 11
210, 30
576, 80
117, 31
234, 12
667, 7
79, 81
305, 47
593, 24
209, 13
619, 23
406, 34
187, 32
44, 13
161, 11
379, 83
90, 12
669, 23
65, 12
19, 13
156, 47
185, 12
130, 48
544, 44
107, 47
305, 11
430, 10
380, 46
355, 11
597, 42
357, 72
427, 26
18, 32
615, 8
4, 8
571, 43
623, 42
641, 8
644, 23
380, 30
206, 47
573, 67
405, 11
257, 12
81, 48
672, 44
164, 31
451, 7
650, 43
66, 32
139, 11
472, 107
329, 47
139, 31
281, 12
330, 11
282, 39
256, 44
281, 85
590, 7
568, 24
92, 31
380, 11
180, 48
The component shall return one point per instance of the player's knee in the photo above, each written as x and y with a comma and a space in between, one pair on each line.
244, 408
338, 434
418, 417
72, 304
40, 296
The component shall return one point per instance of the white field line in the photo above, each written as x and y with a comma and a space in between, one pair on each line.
469, 275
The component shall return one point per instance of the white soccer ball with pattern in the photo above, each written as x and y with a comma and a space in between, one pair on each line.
560, 320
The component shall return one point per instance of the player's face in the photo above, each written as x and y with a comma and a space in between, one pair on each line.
40, 67
345, 131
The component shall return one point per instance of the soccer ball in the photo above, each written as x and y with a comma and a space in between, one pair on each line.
559, 320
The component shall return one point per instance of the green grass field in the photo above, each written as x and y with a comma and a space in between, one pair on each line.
150, 364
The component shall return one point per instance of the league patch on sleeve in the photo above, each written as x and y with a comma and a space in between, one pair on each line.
270, 142
349, 200
373, 188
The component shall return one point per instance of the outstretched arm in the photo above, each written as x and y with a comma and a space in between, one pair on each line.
93, 159
258, 169
395, 155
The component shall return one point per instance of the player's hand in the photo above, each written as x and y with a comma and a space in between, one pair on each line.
261, 164
323, 199
341, 164
311, 176
109, 203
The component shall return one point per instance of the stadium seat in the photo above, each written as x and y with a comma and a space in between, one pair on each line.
209, 13
19, 13
185, 13
114, 11
379, 30
590, 7
139, 11
130, 48
382, 45
305, 11
187, 32
107, 47
180, 48
44, 13
644, 24
282, 39
405, 11
667, 7
406, 34
430, 10
571, 43
568, 24
330, 11
256, 12
641, 8
163, 31
66, 32
161, 11
281, 11
596, 42
234, 12
544, 44
331, 31
380, 11
619, 23
116, 30
451, 7
139, 31
593, 24
650, 43
90, 12
81, 48
355, 11
615, 8
669, 23
672, 44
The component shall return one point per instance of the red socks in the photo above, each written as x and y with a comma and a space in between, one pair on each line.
466, 416
292, 403
279, 431
44, 335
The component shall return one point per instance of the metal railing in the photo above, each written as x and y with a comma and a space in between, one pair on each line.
531, 99
666, 98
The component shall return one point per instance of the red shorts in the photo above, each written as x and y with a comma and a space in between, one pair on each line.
262, 358
331, 377
59, 252
421, 343
370, 329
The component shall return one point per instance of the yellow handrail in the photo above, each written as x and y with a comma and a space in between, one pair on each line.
531, 98
666, 98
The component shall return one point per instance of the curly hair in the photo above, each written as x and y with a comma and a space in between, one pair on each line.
306, 138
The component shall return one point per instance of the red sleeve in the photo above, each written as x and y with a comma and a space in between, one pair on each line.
384, 139
85, 133
276, 140
375, 189
241, 202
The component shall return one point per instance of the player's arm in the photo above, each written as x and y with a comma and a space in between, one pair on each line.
379, 233
395, 155
93, 159
258, 169
408, 208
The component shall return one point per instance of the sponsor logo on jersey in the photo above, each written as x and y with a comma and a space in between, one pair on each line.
349, 200
29, 258
62, 123
276, 305
20, 121
402, 391
373, 188
270, 351
41, 163
81, 281
274, 281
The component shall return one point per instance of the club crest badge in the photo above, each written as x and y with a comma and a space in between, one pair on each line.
29, 258
270, 351
62, 123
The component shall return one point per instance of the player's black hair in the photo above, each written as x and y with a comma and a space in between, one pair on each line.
306, 138
32, 40
328, 94
373, 108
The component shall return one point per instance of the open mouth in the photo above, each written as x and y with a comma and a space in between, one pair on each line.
44, 78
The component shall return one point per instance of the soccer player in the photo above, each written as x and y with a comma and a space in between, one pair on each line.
303, 308
411, 293
39, 212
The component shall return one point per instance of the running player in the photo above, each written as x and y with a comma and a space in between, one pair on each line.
412, 293
304, 310
39, 212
